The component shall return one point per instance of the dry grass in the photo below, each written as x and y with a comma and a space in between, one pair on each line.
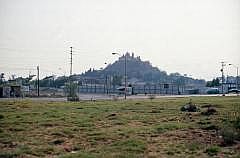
134, 128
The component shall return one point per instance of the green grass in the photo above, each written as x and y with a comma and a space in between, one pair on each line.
133, 128
212, 150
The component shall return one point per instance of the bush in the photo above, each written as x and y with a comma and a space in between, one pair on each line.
213, 150
230, 131
190, 107
71, 89
209, 111
228, 134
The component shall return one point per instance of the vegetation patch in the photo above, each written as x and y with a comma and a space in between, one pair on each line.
210, 127
164, 127
78, 154
212, 150
1, 116
132, 128
190, 107
230, 130
130, 145
209, 111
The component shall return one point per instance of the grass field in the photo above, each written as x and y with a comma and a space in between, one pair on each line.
133, 128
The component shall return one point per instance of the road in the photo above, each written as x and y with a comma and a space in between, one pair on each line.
94, 97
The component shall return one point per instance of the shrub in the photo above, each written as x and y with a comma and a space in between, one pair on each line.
213, 150
230, 131
71, 89
209, 111
189, 107
229, 134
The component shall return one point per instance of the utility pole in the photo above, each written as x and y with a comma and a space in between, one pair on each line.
38, 84
125, 75
223, 64
237, 79
125, 72
71, 61
29, 86
237, 74
70, 80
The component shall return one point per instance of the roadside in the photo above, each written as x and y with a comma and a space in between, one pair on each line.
94, 97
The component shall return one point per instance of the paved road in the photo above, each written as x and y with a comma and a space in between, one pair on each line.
111, 97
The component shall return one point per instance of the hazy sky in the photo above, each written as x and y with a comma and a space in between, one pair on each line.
186, 36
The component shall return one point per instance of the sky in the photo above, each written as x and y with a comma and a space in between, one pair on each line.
187, 36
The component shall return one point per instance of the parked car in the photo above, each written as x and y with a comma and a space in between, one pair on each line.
234, 90
213, 91
121, 90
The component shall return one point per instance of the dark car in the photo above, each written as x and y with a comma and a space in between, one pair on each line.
234, 90
213, 91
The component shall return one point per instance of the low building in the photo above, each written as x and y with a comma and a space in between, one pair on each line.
7, 91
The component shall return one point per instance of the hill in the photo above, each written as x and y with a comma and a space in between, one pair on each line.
138, 71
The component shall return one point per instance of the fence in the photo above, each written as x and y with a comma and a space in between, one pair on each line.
170, 89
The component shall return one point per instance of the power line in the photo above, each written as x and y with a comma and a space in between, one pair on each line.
28, 50
16, 68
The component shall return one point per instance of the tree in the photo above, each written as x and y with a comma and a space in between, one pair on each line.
72, 89
60, 81
209, 84
213, 83
216, 82
1, 78
117, 80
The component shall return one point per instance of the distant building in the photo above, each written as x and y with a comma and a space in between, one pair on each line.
7, 91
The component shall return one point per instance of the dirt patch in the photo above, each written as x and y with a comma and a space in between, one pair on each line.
158, 144
135, 124
198, 135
